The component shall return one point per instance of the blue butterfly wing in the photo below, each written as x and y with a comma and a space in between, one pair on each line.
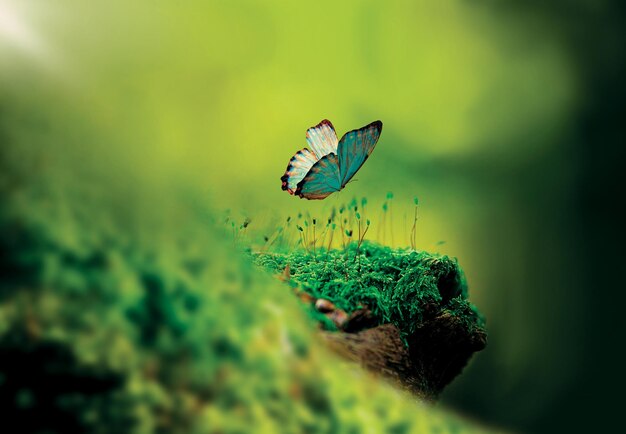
322, 180
354, 148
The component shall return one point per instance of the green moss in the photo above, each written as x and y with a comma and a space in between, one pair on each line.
398, 286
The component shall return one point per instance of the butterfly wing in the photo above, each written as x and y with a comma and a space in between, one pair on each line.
322, 180
298, 167
322, 139
354, 148
328, 168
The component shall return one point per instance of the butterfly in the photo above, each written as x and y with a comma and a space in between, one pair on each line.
331, 164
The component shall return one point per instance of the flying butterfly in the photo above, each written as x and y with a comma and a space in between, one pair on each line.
331, 164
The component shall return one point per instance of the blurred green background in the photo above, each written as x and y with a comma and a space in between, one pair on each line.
500, 116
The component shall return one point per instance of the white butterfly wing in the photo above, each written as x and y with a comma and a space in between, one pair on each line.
322, 139
298, 167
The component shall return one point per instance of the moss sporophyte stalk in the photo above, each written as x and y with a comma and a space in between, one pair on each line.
418, 298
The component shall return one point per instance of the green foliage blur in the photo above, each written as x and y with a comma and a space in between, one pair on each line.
127, 127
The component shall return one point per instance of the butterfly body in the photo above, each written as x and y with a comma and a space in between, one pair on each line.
331, 164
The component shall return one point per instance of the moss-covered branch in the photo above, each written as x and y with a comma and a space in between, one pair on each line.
402, 313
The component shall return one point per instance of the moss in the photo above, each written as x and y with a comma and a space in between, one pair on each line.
401, 287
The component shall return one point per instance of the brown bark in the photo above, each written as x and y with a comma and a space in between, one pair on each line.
436, 353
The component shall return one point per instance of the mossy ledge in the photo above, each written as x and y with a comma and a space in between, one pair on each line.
403, 314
